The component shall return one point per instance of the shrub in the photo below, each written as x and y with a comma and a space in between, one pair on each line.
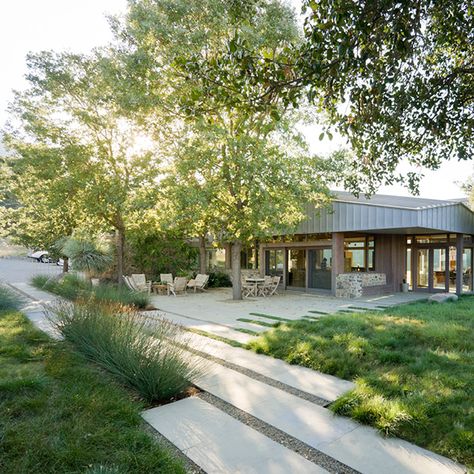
219, 280
151, 359
73, 287
9, 300
154, 253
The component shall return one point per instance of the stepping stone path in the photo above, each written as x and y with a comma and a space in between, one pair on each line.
219, 444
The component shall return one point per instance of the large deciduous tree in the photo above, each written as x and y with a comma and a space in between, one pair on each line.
240, 171
72, 102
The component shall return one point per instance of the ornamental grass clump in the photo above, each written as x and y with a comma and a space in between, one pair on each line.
73, 287
150, 358
9, 300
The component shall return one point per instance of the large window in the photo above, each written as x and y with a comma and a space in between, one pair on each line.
467, 269
274, 262
249, 258
359, 254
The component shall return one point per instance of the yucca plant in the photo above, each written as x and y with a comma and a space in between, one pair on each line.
89, 257
152, 359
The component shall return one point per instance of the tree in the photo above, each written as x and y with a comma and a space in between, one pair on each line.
41, 183
76, 97
395, 77
240, 170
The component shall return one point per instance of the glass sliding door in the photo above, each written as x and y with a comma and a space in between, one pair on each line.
297, 268
439, 269
422, 277
319, 268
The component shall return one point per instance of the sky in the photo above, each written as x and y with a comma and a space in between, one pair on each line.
35, 25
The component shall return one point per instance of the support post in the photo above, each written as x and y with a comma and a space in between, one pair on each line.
337, 258
459, 252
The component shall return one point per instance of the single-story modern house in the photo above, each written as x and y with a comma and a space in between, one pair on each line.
371, 246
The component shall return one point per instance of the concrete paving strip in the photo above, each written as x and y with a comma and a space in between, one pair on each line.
316, 383
319, 428
216, 329
218, 443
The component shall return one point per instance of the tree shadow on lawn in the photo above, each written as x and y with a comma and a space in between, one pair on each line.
413, 366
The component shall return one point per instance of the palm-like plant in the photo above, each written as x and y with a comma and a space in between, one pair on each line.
89, 257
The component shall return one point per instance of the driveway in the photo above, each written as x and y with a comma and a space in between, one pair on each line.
22, 269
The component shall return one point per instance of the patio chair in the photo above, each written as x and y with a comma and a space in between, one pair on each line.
178, 286
248, 289
140, 282
166, 278
198, 283
266, 287
275, 284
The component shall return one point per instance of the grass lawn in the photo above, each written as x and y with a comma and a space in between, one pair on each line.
413, 364
59, 413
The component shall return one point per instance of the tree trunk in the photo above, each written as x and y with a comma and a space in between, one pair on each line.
65, 264
236, 273
202, 255
120, 236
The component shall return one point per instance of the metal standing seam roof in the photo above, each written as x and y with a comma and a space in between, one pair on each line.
384, 213
406, 202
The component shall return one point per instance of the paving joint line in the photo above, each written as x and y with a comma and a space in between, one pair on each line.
284, 439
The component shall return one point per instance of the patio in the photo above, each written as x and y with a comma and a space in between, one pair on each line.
214, 311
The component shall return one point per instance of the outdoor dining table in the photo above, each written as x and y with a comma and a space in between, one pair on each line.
255, 281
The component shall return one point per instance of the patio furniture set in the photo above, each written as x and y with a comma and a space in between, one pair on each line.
167, 285
260, 286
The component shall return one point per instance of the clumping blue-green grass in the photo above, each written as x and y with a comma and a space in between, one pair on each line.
61, 414
413, 366
9, 299
152, 360
73, 287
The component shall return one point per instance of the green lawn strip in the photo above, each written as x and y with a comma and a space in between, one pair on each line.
317, 312
413, 366
259, 323
269, 316
231, 342
311, 318
247, 331
59, 413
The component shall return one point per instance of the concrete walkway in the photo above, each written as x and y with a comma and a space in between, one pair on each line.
219, 444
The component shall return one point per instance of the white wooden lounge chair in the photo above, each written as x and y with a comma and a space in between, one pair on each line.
178, 286
166, 278
141, 283
129, 283
199, 283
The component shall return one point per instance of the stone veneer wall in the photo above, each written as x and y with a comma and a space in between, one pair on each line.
350, 285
